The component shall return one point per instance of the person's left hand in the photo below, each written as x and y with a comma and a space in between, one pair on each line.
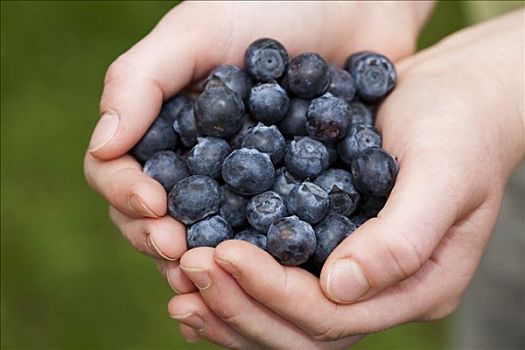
188, 42
457, 142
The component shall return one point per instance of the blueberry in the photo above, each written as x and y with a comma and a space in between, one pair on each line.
208, 232
291, 241
308, 76
167, 168
328, 118
341, 83
233, 77
207, 156
374, 75
371, 206
182, 153
373, 107
343, 196
341, 202
361, 114
233, 207
332, 178
159, 137
219, 111
236, 140
306, 158
311, 267
374, 172
284, 83
194, 198
284, 182
358, 218
329, 233
359, 138
309, 202
266, 59
185, 125
264, 209
294, 123
253, 237
331, 147
353, 59
248, 171
268, 103
266, 139
171, 108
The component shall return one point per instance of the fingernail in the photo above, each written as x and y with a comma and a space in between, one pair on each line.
228, 266
172, 275
155, 247
346, 281
190, 320
163, 267
199, 277
104, 131
136, 205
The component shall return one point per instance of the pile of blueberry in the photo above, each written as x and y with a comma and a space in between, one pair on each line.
282, 154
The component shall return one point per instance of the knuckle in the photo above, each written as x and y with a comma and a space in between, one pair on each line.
117, 184
442, 311
326, 333
225, 313
117, 69
141, 245
138, 237
135, 232
187, 303
405, 255
233, 344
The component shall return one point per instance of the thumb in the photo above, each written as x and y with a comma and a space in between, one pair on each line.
423, 205
157, 67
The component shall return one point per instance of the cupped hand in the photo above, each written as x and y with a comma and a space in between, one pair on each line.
185, 45
455, 123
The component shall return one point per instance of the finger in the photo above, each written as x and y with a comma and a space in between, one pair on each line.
123, 184
291, 292
435, 188
189, 334
157, 67
244, 314
190, 310
296, 296
162, 238
176, 278
393, 246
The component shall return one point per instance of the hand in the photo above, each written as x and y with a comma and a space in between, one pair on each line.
185, 45
455, 123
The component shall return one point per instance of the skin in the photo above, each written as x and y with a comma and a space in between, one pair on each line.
457, 142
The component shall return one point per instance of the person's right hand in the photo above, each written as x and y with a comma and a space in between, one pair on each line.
185, 45
455, 123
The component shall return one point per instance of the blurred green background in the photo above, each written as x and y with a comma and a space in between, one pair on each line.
68, 278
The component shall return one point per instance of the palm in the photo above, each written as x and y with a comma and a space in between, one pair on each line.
434, 138
225, 31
